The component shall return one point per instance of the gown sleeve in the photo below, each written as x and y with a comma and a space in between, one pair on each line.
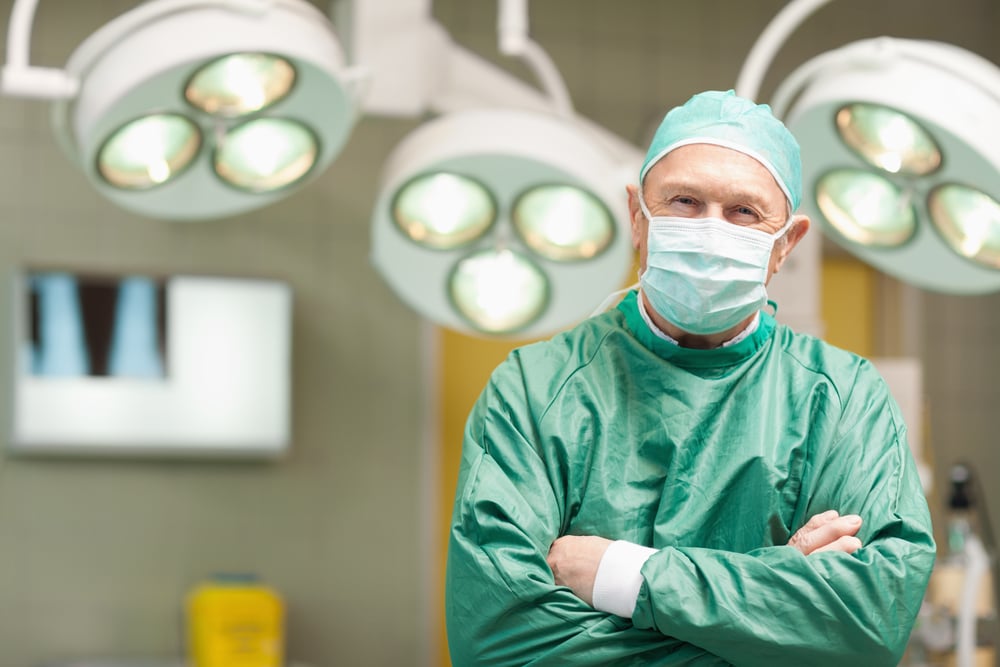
775, 606
501, 603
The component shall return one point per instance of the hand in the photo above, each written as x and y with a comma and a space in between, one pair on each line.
574, 559
828, 532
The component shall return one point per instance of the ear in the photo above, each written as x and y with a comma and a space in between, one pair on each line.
800, 225
636, 218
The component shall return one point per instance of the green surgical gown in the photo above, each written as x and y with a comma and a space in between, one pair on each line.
712, 457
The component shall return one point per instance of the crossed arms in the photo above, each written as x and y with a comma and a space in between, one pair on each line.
519, 583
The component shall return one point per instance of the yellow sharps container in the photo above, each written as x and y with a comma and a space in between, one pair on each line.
235, 621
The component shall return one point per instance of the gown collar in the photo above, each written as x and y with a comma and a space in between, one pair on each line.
691, 357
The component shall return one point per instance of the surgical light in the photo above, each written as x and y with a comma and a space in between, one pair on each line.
888, 139
900, 151
866, 208
198, 109
506, 214
266, 154
149, 151
498, 291
563, 222
240, 84
969, 222
443, 210
895, 136
498, 222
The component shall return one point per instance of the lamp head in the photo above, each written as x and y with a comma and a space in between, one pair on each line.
901, 159
191, 111
500, 222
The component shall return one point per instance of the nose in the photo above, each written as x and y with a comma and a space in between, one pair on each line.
715, 210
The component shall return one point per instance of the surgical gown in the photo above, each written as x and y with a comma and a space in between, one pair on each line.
712, 457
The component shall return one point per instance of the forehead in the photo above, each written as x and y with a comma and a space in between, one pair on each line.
723, 173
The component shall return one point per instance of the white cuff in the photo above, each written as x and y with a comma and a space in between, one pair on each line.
618, 580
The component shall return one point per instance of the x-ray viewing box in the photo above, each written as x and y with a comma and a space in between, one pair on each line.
225, 390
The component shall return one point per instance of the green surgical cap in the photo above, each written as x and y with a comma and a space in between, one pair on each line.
725, 119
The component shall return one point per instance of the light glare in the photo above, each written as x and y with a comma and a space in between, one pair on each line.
149, 151
969, 221
159, 171
563, 222
866, 208
888, 139
266, 154
498, 291
443, 210
240, 84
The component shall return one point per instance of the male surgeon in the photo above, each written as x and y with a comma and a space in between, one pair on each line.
682, 480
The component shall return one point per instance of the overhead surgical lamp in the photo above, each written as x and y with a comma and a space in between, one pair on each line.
500, 221
189, 110
900, 151
505, 215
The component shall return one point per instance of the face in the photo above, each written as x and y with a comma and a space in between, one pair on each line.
708, 181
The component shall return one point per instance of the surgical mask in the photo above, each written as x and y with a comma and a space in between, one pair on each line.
706, 275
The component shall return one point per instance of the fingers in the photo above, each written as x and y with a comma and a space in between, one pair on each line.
825, 532
574, 560
848, 544
819, 520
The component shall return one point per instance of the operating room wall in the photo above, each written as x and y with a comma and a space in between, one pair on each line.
96, 554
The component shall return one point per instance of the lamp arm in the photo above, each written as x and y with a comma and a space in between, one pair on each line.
769, 42
22, 80
475, 82
22, 15
792, 84
512, 26
18, 77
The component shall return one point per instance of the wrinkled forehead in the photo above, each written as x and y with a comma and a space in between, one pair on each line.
713, 173
722, 143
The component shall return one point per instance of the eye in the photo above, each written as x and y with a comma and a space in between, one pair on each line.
744, 215
684, 203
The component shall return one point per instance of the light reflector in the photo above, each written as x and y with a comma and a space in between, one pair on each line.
149, 151
443, 210
508, 171
498, 291
969, 221
907, 98
866, 208
266, 83
266, 154
888, 139
240, 84
563, 222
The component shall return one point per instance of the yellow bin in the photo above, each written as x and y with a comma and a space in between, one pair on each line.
234, 621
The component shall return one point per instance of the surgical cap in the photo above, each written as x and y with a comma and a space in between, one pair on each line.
725, 119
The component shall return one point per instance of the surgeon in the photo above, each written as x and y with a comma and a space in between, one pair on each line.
682, 480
